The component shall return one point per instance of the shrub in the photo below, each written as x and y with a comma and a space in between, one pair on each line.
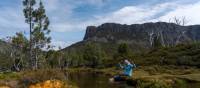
152, 84
180, 83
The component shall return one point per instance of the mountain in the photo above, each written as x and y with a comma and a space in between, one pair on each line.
143, 34
139, 36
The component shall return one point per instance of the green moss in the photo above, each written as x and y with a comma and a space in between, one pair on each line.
9, 75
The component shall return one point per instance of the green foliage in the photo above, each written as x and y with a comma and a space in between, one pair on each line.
28, 10
123, 49
92, 55
100, 53
54, 59
180, 84
157, 42
152, 84
122, 52
182, 54
18, 53
9, 75
41, 30
20, 41
35, 16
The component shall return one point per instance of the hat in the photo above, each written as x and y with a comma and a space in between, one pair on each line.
126, 61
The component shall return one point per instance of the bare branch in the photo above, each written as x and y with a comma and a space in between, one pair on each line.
179, 21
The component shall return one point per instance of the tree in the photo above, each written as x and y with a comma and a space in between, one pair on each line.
39, 31
123, 49
122, 52
93, 55
179, 21
20, 41
20, 45
28, 13
52, 60
157, 42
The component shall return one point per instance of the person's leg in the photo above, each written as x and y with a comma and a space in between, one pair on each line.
120, 77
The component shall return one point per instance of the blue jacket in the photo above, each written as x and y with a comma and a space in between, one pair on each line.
128, 69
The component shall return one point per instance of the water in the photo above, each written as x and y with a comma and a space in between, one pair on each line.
93, 80
193, 85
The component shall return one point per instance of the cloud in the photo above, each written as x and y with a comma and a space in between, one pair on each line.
137, 14
190, 12
125, 15
60, 44
11, 21
89, 2
65, 27
52, 5
159, 12
96, 2
61, 14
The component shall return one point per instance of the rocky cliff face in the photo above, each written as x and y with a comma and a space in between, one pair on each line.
143, 34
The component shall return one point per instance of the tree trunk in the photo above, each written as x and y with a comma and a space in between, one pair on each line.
30, 43
36, 59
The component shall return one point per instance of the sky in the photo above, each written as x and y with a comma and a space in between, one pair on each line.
69, 18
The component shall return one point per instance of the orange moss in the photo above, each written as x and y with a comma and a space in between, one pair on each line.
50, 84
4, 87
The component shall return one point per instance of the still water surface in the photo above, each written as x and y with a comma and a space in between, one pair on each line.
93, 80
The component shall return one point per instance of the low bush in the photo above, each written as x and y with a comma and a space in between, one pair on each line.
180, 84
152, 84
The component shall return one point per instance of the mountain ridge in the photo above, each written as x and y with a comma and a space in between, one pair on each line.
170, 33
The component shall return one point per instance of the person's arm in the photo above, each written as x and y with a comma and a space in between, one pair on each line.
134, 66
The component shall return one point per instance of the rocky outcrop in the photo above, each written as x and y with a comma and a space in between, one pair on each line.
143, 34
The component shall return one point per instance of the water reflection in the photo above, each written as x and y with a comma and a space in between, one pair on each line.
93, 80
